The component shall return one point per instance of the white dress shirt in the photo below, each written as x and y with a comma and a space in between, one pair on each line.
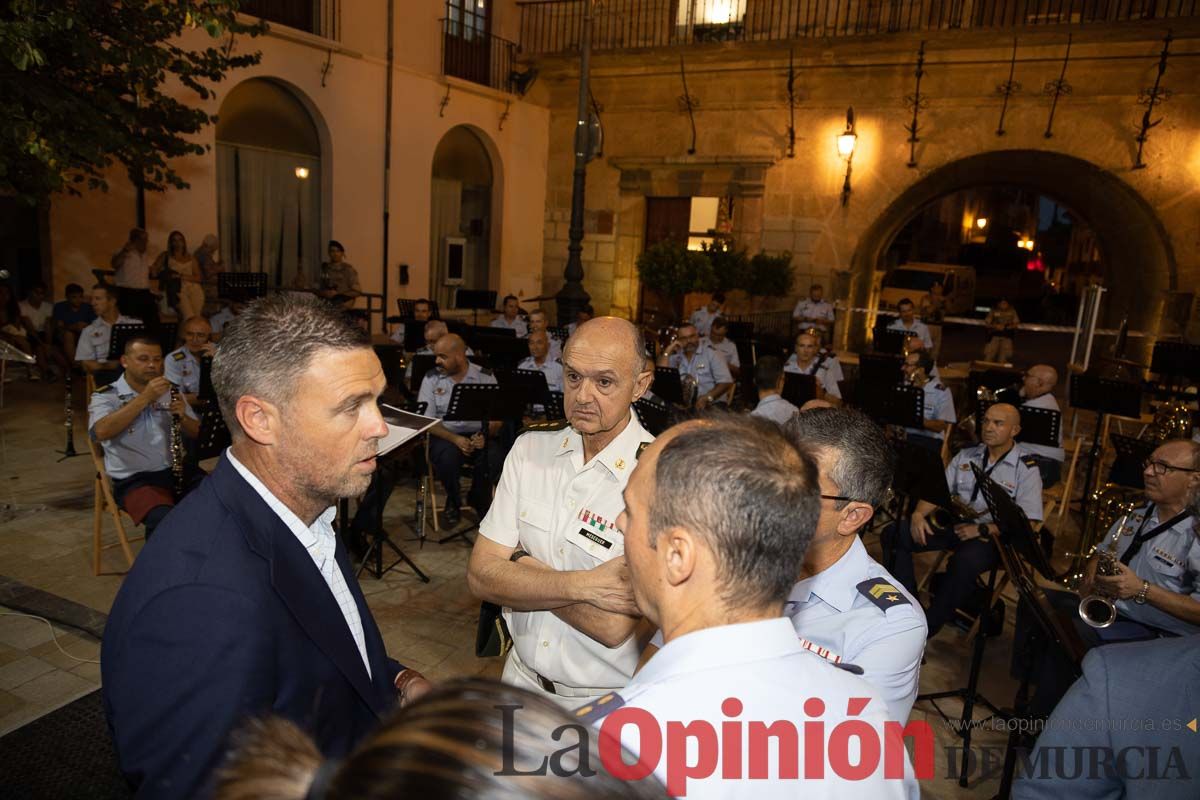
321, 543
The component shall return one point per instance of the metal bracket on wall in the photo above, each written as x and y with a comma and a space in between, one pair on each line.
445, 102
1058, 88
918, 103
688, 104
1150, 98
1008, 88
792, 101
327, 67
504, 116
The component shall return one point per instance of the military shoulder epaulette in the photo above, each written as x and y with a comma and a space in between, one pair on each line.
1030, 461
641, 447
180, 356
599, 709
548, 425
882, 593
105, 388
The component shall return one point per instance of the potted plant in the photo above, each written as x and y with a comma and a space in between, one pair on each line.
668, 271
771, 275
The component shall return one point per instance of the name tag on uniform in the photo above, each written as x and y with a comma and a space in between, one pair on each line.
597, 536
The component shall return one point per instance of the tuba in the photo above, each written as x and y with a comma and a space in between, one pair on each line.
1172, 420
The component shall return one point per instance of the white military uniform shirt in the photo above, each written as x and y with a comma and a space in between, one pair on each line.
1170, 560
1016, 472
182, 368
918, 329
563, 512
550, 368
706, 366
864, 616
144, 446
702, 319
775, 408
518, 324
726, 348
97, 336
436, 389
1046, 400
828, 374
763, 665
822, 311
939, 404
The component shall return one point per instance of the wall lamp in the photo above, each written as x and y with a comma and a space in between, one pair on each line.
302, 173
846, 142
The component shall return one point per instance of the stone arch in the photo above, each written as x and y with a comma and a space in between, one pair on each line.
1136, 252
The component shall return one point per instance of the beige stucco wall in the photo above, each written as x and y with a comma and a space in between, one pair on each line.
743, 116
349, 111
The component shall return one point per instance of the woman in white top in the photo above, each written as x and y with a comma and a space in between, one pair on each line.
179, 278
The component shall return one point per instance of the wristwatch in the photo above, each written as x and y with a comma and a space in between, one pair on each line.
984, 531
1140, 597
517, 555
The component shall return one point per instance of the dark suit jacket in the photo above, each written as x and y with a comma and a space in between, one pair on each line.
1125, 689
224, 616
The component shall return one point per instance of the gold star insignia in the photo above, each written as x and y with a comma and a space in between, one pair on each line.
893, 598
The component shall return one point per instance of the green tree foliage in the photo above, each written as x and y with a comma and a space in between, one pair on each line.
730, 265
671, 268
86, 83
771, 275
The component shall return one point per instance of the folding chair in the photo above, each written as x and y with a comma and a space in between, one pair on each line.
106, 503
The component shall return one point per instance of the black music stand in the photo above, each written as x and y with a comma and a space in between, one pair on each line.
970, 694
475, 300
554, 406
504, 352
654, 417
894, 405
380, 538
889, 340
798, 389
421, 365
1131, 455
1090, 392
241, 287
122, 332
1023, 560
667, 385
880, 369
530, 381
483, 403
1174, 360
559, 332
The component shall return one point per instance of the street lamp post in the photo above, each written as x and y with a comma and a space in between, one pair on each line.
573, 297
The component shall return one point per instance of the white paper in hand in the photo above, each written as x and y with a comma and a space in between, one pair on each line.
402, 426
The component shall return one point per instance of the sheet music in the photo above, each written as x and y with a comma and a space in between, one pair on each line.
403, 426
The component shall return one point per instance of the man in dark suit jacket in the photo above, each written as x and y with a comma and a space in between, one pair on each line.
244, 603
1131, 698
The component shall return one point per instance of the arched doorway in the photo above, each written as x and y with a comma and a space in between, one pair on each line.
460, 215
269, 179
1137, 260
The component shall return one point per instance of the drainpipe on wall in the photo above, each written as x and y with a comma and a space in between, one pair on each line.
387, 156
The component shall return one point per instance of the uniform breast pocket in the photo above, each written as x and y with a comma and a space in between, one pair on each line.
1170, 572
533, 520
601, 545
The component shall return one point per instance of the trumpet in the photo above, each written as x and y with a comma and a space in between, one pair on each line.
176, 445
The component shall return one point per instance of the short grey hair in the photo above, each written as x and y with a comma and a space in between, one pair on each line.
750, 492
267, 347
865, 463
637, 342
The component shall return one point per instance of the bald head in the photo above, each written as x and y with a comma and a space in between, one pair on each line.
450, 354
613, 338
815, 403
434, 330
1039, 379
450, 343
1001, 423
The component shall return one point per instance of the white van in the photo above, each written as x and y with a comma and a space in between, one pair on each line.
912, 280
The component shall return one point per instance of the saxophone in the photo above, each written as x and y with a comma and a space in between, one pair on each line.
1106, 506
1096, 609
176, 445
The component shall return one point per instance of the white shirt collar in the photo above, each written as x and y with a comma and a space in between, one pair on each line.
837, 584
307, 534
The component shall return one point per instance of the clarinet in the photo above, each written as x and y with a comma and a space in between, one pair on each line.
176, 445
69, 417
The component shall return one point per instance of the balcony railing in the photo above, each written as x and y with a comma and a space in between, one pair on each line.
555, 26
471, 52
318, 17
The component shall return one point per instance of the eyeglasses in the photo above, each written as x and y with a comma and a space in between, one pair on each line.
1162, 467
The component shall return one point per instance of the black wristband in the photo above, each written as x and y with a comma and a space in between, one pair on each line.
517, 555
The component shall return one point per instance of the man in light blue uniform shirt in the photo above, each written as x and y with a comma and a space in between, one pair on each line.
939, 402
1037, 391
703, 317
1007, 463
182, 366
719, 340
908, 323
814, 312
716, 588
510, 318
131, 420
768, 378
808, 360
540, 361
452, 443
538, 322
845, 601
706, 366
